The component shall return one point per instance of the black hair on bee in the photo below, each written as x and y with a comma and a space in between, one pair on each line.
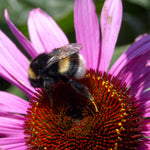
47, 69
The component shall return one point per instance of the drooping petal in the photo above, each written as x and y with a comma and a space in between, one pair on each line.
26, 88
9, 129
14, 65
111, 17
136, 49
146, 105
143, 98
11, 125
9, 119
135, 69
20, 37
87, 31
147, 113
12, 130
14, 143
12, 103
3, 141
44, 33
11, 144
141, 84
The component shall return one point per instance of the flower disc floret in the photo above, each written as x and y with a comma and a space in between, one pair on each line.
72, 122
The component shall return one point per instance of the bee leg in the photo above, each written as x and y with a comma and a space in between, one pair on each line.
50, 97
47, 87
83, 90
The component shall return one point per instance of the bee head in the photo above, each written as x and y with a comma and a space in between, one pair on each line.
36, 68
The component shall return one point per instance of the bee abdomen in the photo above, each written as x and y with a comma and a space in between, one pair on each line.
72, 66
81, 71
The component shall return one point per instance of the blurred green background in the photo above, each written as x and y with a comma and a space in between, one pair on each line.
136, 21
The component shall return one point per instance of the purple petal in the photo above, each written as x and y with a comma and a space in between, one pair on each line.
111, 17
141, 84
20, 37
11, 125
26, 88
18, 146
138, 48
13, 143
87, 31
140, 37
146, 125
145, 145
18, 117
144, 106
143, 100
12, 140
145, 96
11, 131
147, 133
45, 34
14, 65
147, 114
136, 72
12, 103
135, 69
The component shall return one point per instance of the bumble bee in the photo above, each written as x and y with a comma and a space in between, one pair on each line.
47, 69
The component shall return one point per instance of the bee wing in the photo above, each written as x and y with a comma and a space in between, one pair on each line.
63, 52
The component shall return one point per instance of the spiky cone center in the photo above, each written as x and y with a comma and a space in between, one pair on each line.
73, 123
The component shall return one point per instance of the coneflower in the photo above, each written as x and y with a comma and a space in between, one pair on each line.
120, 94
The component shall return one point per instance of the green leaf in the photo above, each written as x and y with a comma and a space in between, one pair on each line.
14, 90
19, 9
